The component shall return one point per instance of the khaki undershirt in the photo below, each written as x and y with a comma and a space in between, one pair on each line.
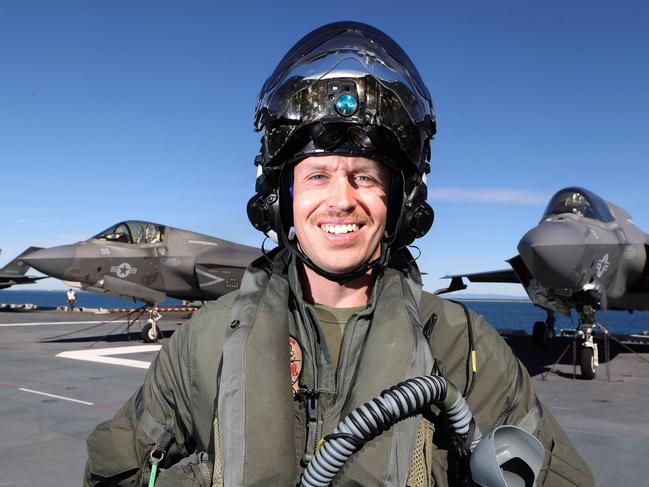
332, 322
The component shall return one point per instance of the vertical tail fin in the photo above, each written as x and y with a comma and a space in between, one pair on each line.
17, 266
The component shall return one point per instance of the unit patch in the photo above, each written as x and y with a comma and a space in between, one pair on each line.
295, 352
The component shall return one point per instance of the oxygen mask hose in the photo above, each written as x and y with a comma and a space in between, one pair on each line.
380, 414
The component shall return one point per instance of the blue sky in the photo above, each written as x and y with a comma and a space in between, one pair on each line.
116, 110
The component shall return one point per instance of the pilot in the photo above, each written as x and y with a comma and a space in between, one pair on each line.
247, 391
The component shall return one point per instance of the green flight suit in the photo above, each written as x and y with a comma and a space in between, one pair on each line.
174, 411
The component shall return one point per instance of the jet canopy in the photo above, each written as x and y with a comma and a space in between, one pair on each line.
134, 232
581, 202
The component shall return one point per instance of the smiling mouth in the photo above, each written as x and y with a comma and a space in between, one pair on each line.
340, 229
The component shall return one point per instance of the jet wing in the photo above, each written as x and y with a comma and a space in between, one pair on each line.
15, 272
504, 275
19, 279
8, 280
457, 283
17, 266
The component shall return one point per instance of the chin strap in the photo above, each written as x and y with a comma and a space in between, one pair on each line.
344, 277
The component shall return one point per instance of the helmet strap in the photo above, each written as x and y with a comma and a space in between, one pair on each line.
344, 277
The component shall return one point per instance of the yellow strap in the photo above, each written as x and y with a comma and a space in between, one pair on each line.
474, 364
319, 445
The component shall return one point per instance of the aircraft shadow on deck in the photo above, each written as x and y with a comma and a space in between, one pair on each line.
133, 336
540, 361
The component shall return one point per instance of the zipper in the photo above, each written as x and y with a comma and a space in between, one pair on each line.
340, 359
514, 401
315, 352
167, 435
311, 396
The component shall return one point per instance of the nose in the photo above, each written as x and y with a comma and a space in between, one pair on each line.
55, 261
553, 252
341, 196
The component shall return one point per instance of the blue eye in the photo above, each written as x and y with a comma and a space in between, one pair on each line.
346, 105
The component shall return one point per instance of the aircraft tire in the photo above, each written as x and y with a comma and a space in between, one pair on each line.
587, 361
150, 333
539, 335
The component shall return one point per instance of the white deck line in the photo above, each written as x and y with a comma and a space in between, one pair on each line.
108, 322
55, 396
104, 355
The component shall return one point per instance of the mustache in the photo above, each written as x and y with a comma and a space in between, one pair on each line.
339, 216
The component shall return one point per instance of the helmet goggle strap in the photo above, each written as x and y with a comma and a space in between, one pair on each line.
345, 139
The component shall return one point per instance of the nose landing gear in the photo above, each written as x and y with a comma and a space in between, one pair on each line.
585, 337
150, 331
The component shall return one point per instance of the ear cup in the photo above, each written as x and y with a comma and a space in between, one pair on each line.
417, 217
420, 218
263, 212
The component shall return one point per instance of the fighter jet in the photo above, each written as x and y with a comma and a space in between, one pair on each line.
147, 261
14, 272
585, 254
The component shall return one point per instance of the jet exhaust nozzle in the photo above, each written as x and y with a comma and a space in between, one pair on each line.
508, 456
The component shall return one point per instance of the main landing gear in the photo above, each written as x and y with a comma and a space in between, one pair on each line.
543, 331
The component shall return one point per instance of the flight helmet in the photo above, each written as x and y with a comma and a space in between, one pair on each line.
346, 88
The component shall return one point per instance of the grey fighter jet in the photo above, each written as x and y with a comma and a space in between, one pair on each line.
148, 262
15, 272
585, 254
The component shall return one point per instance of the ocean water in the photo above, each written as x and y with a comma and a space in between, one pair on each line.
504, 315
52, 299
522, 315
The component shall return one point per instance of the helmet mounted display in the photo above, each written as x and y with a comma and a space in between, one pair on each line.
349, 89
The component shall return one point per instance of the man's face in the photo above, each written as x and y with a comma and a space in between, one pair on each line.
340, 207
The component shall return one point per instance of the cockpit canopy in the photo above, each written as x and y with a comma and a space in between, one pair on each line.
134, 232
579, 201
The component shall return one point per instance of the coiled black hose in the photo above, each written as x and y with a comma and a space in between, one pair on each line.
380, 414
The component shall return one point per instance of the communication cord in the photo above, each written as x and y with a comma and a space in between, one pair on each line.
380, 414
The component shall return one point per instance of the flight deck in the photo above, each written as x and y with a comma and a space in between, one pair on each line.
62, 373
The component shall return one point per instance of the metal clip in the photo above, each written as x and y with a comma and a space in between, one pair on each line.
154, 459
311, 402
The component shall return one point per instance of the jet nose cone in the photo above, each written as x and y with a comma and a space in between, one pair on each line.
55, 261
553, 251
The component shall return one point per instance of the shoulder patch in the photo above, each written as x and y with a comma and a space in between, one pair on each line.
296, 362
